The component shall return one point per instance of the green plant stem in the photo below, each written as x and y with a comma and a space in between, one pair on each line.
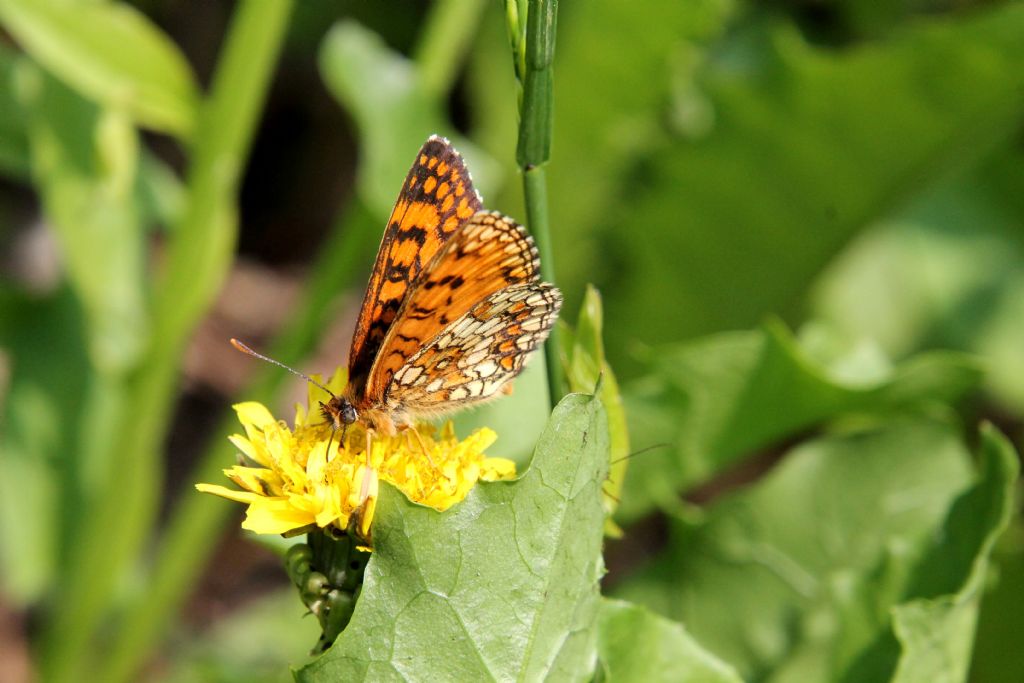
187, 543
110, 535
198, 256
450, 27
535, 191
534, 151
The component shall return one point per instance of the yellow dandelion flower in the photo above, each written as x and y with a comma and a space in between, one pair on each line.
298, 478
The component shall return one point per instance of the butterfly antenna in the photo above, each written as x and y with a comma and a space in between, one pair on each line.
245, 349
614, 498
640, 452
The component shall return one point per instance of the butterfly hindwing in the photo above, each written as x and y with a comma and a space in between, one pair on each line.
436, 199
472, 358
488, 253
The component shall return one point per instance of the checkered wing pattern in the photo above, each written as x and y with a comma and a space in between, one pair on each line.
477, 354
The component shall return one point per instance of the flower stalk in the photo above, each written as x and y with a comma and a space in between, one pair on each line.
328, 572
533, 50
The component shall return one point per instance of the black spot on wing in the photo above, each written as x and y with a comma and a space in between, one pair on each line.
414, 234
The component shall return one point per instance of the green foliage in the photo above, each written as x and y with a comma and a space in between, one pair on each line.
394, 110
638, 645
996, 656
706, 403
794, 150
256, 640
112, 54
503, 586
13, 127
871, 547
37, 450
109, 69
587, 370
85, 163
945, 271
854, 167
600, 47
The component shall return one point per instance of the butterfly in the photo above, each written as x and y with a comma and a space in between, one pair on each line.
453, 308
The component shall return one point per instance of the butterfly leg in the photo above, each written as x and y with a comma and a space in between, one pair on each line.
330, 442
423, 446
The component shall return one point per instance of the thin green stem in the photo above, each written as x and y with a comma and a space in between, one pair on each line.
534, 149
536, 114
536, 192
183, 552
450, 27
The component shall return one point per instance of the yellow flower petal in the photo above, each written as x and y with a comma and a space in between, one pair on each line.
274, 516
256, 479
253, 413
316, 461
230, 494
248, 449
300, 415
307, 477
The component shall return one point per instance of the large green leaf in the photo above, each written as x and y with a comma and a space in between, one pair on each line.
111, 53
935, 620
861, 557
712, 401
502, 586
638, 645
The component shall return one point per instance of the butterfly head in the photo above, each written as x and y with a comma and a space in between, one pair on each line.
340, 412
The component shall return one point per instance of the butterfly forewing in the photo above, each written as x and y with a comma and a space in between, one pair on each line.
487, 254
472, 358
436, 199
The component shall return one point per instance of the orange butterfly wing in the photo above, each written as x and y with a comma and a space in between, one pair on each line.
488, 253
436, 199
478, 353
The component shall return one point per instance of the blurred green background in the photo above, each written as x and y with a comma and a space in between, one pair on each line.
173, 174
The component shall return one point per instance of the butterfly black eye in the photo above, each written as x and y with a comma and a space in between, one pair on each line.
348, 413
